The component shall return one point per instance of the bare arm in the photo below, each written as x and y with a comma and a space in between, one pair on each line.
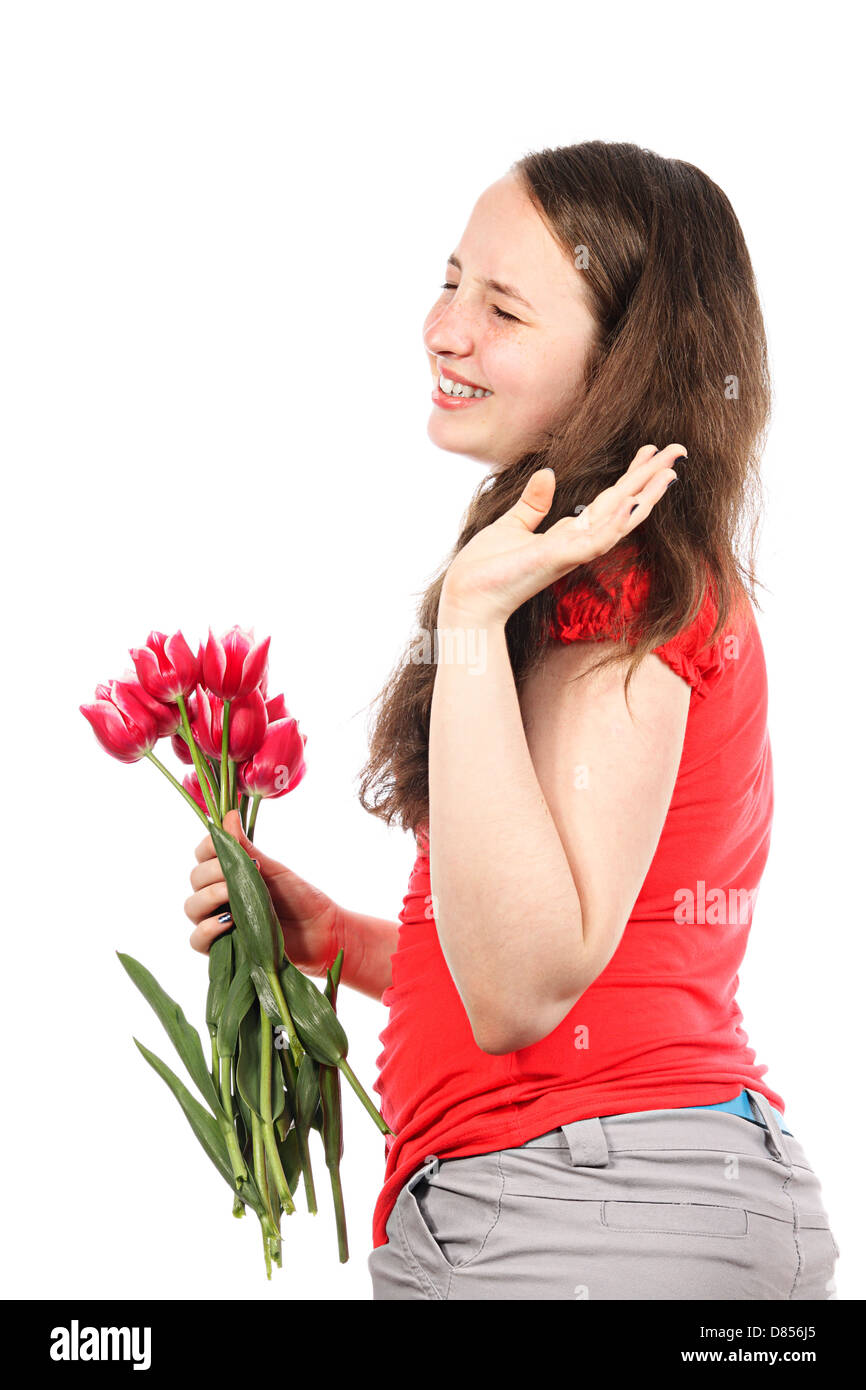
368, 944
534, 877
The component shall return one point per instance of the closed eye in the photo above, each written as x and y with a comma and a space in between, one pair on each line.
500, 313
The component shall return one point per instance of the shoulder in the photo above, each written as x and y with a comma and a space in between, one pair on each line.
609, 606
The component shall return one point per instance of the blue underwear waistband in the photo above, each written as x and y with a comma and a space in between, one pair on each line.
739, 1106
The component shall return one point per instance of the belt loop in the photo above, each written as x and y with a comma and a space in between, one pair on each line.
586, 1142
429, 1168
775, 1135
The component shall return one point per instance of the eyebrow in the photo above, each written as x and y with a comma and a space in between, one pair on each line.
496, 286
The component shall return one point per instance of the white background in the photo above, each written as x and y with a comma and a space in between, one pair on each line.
222, 228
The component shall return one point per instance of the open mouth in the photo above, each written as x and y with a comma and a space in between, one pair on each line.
460, 390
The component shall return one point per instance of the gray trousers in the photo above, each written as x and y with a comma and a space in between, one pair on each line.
659, 1204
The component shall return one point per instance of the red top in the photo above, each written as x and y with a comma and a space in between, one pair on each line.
663, 1017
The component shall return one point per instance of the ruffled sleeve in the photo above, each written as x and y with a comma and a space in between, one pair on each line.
582, 615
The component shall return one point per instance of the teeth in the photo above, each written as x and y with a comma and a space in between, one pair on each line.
457, 388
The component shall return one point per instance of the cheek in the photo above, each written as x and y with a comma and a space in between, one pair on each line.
532, 387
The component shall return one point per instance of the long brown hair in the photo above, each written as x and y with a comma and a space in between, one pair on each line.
680, 354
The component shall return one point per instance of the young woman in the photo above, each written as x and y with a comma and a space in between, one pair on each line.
578, 740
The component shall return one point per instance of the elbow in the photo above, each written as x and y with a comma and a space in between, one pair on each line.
498, 1034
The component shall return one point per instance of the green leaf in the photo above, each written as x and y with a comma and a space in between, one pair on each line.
267, 998
204, 1126
332, 1115
185, 1038
239, 1001
333, 979
317, 1025
306, 1092
219, 979
249, 1072
290, 1157
253, 912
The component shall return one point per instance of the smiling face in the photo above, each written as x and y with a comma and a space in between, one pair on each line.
513, 322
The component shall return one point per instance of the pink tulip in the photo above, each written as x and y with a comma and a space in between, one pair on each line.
181, 748
166, 666
247, 724
278, 766
233, 666
122, 724
167, 717
276, 708
191, 785
178, 742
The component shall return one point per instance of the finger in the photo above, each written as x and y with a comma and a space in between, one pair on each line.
202, 875
639, 507
645, 452
640, 470
206, 934
205, 850
205, 902
534, 502
619, 500
613, 513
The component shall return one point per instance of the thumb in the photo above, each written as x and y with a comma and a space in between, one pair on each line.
232, 826
535, 500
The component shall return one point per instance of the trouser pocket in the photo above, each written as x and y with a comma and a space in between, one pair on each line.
452, 1207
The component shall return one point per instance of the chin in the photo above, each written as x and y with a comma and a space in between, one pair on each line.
455, 442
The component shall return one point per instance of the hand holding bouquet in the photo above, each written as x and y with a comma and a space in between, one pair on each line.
277, 1046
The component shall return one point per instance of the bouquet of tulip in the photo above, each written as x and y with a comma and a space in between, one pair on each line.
277, 1047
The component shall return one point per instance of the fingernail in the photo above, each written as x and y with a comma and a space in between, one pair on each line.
225, 917
636, 505
673, 480
257, 864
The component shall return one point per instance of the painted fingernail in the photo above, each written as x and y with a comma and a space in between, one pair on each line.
635, 507
225, 917
673, 480
257, 864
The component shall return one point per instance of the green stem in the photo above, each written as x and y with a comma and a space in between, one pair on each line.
253, 813
267, 1248
224, 759
196, 755
260, 1170
239, 1168
233, 785
362, 1095
339, 1213
294, 1041
243, 811
214, 781
183, 791
307, 1168
214, 1062
266, 1107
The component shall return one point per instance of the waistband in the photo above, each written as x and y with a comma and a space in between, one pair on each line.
591, 1143
740, 1106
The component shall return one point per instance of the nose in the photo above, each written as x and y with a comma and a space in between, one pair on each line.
448, 331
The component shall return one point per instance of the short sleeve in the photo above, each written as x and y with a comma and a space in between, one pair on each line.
584, 615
